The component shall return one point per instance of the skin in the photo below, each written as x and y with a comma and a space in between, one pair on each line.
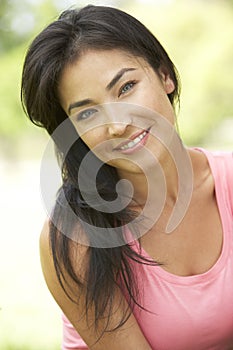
79, 82
195, 244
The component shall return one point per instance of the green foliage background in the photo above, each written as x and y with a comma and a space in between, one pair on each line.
198, 35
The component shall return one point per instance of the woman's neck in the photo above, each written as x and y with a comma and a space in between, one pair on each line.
159, 178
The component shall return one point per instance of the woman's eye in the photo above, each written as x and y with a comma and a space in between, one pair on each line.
127, 87
86, 114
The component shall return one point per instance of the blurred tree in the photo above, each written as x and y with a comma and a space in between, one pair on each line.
198, 36
3, 24
19, 20
9, 36
230, 2
199, 42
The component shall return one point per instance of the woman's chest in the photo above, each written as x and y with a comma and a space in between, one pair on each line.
190, 298
187, 316
193, 247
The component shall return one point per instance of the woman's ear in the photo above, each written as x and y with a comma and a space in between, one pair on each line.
166, 80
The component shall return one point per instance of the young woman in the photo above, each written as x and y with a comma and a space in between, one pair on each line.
105, 90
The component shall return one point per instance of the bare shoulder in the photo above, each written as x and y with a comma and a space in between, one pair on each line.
46, 258
44, 240
203, 177
74, 307
45, 251
78, 254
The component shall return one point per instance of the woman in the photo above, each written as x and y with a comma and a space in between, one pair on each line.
105, 90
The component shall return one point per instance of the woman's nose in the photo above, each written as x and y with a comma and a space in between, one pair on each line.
118, 118
116, 129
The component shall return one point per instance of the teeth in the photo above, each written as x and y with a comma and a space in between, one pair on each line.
134, 142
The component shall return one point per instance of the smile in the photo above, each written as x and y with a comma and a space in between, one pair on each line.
134, 143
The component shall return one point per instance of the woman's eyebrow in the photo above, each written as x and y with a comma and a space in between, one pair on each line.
118, 77
113, 82
79, 104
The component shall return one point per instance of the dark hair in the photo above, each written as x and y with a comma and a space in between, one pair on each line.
59, 44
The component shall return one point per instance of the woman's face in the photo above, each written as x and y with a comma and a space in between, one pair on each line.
113, 100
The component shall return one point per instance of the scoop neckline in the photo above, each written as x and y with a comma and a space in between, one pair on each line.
220, 263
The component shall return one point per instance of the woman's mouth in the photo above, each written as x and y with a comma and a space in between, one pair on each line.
136, 141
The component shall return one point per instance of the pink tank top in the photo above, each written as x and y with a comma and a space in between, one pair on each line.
192, 312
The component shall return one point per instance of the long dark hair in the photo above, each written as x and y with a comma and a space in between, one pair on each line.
59, 44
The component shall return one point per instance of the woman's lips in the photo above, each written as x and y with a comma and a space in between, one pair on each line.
134, 143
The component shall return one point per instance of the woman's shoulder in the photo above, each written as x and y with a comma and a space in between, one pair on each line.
79, 244
44, 245
215, 170
44, 236
203, 180
46, 257
81, 315
78, 254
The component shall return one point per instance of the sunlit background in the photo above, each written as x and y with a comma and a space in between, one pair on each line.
198, 34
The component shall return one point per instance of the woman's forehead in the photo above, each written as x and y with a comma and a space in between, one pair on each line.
111, 57
101, 64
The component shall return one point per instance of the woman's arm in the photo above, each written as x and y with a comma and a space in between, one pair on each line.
127, 337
